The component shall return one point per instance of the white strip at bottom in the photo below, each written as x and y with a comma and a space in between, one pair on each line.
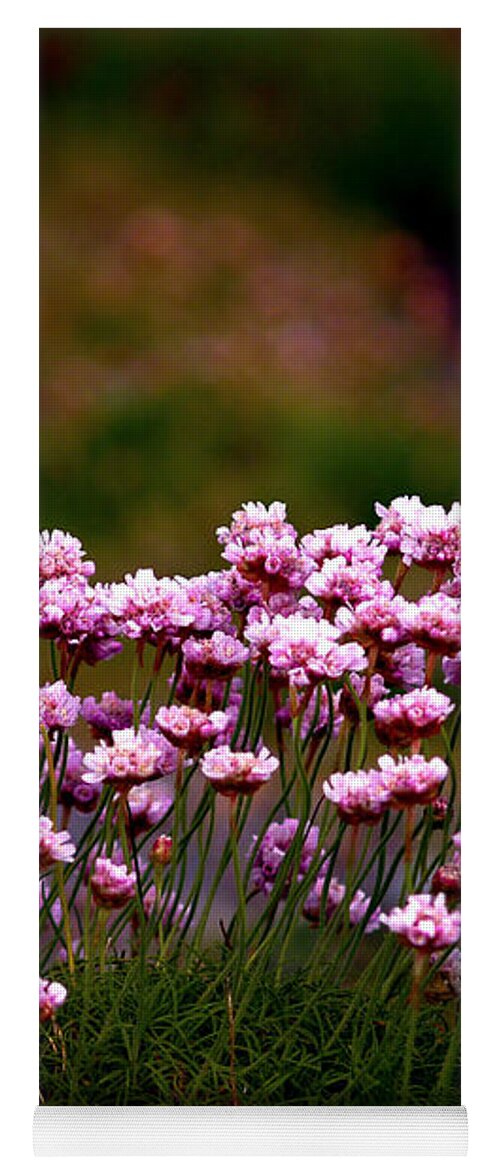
250, 1130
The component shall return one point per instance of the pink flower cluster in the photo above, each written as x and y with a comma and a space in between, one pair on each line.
58, 708
262, 544
273, 849
217, 657
51, 995
189, 728
307, 650
232, 773
112, 885
61, 555
131, 758
425, 922
411, 717
425, 535
54, 846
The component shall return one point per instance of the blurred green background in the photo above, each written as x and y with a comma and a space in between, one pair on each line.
249, 280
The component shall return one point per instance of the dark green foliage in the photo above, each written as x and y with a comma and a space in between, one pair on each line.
164, 1038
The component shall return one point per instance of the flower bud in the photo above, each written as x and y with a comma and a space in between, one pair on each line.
161, 851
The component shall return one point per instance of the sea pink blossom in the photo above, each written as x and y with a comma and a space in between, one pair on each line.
77, 614
109, 714
358, 546
316, 897
147, 804
425, 922
434, 623
58, 708
208, 597
414, 716
395, 520
432, 538
61, 555
358, 909
51, 995
131, 758
73, 790
217, 657
360, 797
413, 780
404, 667
306, 649
262, 545
232, 773
337, 582
112, 886
173, 912
381, 621
54, 846
150, 608
274, 848
447, 878
189, 728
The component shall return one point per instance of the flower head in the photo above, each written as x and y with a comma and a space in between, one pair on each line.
273, 849
73, 790
58, 708
217, 657
232, 773
189, 728
359, 908
131, 758
413, 780
109, 714
381, 621
262, 545
112, 885
61, 555
54, 846
149, 608
434, 623
307, 649
317, 899
396, 519
147, 804
425, 922
359, 796
414, 716
51, 995
358, 546
339, 582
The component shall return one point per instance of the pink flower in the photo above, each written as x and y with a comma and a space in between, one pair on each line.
262, 545
381, 621
217, 657
53, 846
131, 758
358, 910
306, 649
396, 519
78, 614
112, 886
404, 667
61, 555
358, 546
232, 773
334, 897
171, 908
148, 804
414, 716
274, 848
208, 595
109, 714
425, 922
73, 790
338, 582
432, 538
58, 708
434, 623
359, 796
51, 995
413, 780
151, 608
189, 728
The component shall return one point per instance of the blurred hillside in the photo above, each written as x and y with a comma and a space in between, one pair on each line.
248, 280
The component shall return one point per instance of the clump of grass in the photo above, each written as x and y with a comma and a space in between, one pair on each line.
180, 1037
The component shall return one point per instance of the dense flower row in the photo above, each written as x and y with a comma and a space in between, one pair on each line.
306, 632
